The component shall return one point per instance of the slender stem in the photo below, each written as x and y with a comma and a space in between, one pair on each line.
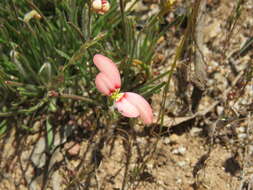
12, 83
89, 20
78, 30
73, 97
121, 3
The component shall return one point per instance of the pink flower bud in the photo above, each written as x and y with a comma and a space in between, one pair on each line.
108, 80
100, 6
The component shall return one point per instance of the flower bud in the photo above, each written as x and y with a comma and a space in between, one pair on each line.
100, 6
32, 14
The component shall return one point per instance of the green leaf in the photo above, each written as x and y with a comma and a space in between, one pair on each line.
3, 127
45, 72
62, 54
26, 128
52, 105
153, 90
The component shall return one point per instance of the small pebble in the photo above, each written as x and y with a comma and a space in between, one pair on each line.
166, 141
150, 166
180, 150
72, 148
240, 129
179, 181
174, 138
195, 131
181, 163
141, 140
250, 150
242, 136
220, 110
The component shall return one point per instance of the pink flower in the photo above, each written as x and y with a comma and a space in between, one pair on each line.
108, 82
100, 6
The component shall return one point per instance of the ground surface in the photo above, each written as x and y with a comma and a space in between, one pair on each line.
211, 150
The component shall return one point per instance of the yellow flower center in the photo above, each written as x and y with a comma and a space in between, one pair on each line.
116, 95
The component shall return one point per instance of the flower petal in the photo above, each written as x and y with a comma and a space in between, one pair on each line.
126, 108
101, 85
142, 106
97, 5
106, 66
108, 83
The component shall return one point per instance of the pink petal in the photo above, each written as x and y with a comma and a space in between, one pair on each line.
101, 85
107, 82
106, 66
142, 106
126, 108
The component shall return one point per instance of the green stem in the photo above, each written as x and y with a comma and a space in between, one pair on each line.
179, 52
76, 97
121, 3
